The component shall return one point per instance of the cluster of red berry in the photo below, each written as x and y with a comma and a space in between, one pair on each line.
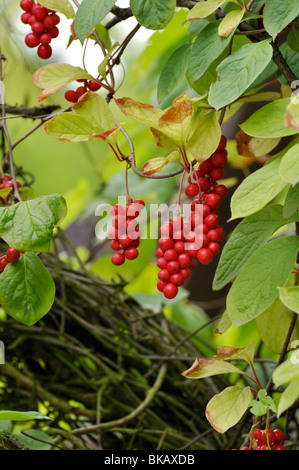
125, 233
11, 255
268, 439
5, 183
74, 95
43, 24
182, 241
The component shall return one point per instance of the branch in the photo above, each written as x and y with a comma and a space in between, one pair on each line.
27, 112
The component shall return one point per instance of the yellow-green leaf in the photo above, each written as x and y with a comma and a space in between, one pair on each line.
204, 9
206, 135
229, 22
61, 6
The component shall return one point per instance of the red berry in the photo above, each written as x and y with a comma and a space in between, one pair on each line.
191, 190
185, 273
220, 232
184, 260
51, 20
257, 434
166, 243
211, 220
171, 255
204, 184
222, 143
93, 86
162, 263
12, 254
44, 51
177, 279
118, 259
3, 262
71, 95
166, 230
279, 436
115, 245
213, 201
216, 174
81, 90
39, 12
279, 447
244, 448
45, 39
125, 240
54, 32
38, 28
221, 190
25, 17
161, 285
7, 184
173, 267
32, 40
192, 249
164, 275
131, 253
205, 256
170, 291
159, 253
206, 166
213, 235
219, 158
214, 248
118, 221
26, 5
179, 246
117, 209
194, 204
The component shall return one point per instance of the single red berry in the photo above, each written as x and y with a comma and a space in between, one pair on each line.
192, 249
206, 166
25, 17
44, 51
257, 434
118, 259
216, 174
244, 448
279, 447
118, 221
219, 158
12, 254
213, 235
93, 86
162, 263
205, 256
164, 275
185, 273
211, 220
170, 291
3, 262
279, 436
213, 201
178, 235
32, 40
214, 248
173, 267
161, 285
204, 184
184, 260
117, 209
81, 90
159, 253
7, 184
26, 5
191, 190
166, 243
202, 228
71, 95
221, 190
133, 210
39, 12
205, 241
194, 204
179, 247
177, 279
131, 253
50, 21
125, 241
166, 230
171, 255
45, 39
54, 32
38, 28
115, 245
220, 232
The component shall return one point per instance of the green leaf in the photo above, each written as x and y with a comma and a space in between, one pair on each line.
52, 77
205, 49
257, 190
287, 373
34, 443
206, 136
226, 409
230, 22
293, 39
249, 235
173, 72
70, 128
241, 68
289, 167
204, 9
269, 121
291, 203
256, 286
21, 415
89, 14
29, 225
157, 164
61, 6
288, 397
277, 15
292, 116
290, 297
195, 27
27, 289
155, 14
262, 405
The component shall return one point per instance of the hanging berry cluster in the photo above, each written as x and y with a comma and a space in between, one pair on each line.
267, 439
6, 182
74, 95
179, 246
12, 255
43, 24
125, 233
